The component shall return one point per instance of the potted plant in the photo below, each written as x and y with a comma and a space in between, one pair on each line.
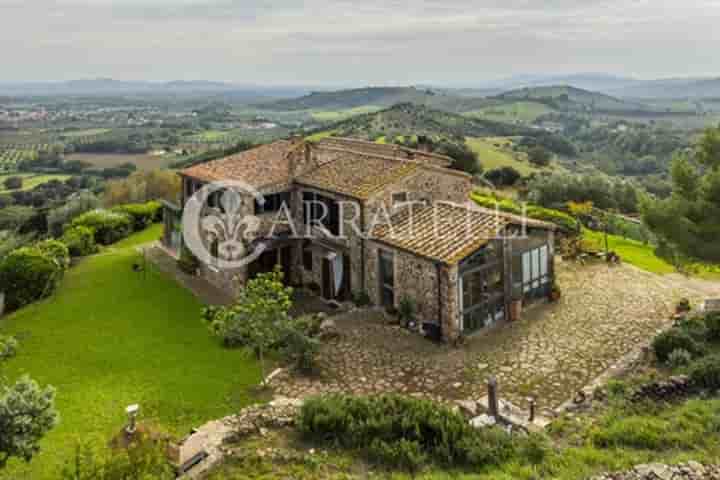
555, 293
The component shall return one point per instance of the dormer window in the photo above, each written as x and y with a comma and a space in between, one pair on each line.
399, 197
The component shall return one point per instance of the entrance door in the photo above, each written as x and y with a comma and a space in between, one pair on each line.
327, 279
387, 279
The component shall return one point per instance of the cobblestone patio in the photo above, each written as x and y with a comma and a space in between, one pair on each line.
555, 350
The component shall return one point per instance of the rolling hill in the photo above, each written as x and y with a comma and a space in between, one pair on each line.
407, 119
568, 98
375, 98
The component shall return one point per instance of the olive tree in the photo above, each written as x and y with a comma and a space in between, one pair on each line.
27, 413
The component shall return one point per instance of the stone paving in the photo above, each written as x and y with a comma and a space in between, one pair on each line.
556, 349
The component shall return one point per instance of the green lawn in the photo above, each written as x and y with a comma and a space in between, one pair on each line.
631, 251
30, 180
111, 337
524, 111
495, 152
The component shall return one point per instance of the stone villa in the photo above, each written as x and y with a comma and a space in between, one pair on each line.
463, 268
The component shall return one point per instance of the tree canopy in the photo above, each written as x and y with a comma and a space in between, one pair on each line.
689, 220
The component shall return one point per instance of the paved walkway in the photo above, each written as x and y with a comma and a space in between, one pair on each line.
555, 350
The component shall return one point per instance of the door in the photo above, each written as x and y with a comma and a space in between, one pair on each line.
327, 279
387, 279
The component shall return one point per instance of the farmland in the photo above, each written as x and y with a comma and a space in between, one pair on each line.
522, 111
496, 152
31, 180
9, 159
106, 160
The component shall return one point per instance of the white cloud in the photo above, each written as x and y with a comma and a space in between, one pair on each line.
289, 41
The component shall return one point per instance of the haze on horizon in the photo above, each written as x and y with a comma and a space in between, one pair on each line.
378, 42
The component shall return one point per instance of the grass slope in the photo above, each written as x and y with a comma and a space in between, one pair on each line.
30, 180
522, 111
631, 251
565, 97
111, 337
495, 152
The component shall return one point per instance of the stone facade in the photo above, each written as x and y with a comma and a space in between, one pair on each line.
432, 283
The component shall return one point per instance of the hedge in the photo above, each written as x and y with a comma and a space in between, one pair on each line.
405, 431
56, 250
561, 219
80, 241
107, 226
26, 275
142, 214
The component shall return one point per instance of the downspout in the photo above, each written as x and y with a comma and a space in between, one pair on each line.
362, 247
439, 291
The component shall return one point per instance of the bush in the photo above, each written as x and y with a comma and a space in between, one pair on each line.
142, 214
406, 311
56, 250
404, 454
301, 350
705, 373
679, 358
712, 323
503, 176
561, 219
361, 298
431, 432
80, 241
13, 183
107, 226
674, 339
27, 274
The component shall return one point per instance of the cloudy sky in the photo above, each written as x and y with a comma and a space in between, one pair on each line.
343, 42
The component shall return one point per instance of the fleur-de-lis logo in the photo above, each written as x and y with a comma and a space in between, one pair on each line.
221, 236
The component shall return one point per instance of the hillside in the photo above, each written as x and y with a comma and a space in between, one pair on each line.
374, 98
672, 88
568, 98
408, 119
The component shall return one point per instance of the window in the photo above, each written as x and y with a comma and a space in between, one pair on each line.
307, 259
531, 271
273, 203
399, 197
483, 296
323, 210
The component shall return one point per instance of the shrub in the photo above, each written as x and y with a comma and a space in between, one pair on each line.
712, 323
442, 435
142, 214
406, 311
27, 274
80, 241
301, 349
679, 358
107, 226
674, 339
361, 298
405, 454
503, 176
56, 250
705, 372
561, 219
13, 183
8, 347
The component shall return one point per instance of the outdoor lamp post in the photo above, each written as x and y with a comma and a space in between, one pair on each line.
132, 412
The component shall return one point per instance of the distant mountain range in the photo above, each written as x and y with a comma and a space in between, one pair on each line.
110, 87
624, 87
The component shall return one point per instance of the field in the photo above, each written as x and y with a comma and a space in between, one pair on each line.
631, 251
522, 111
111, 337
9, 159
105, 160
496, 152
337, 115
30, 180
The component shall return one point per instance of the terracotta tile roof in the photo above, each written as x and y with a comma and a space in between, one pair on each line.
386, 149
357, 175
443, 232
260, 166
514, 219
